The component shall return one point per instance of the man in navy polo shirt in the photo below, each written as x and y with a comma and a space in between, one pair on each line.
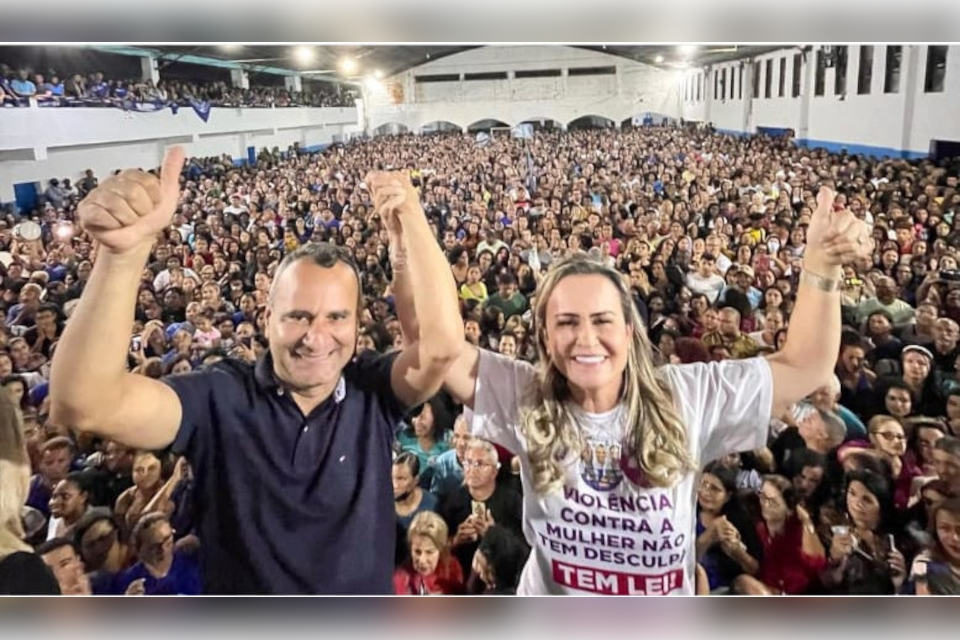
291, 455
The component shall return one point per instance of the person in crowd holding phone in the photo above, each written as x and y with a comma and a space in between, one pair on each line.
482, 502
936, 571
863, 554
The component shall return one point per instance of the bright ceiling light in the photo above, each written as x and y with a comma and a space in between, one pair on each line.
348, 65
378, 74
372, 84
686, 49
230, 48
658, 59
303, 55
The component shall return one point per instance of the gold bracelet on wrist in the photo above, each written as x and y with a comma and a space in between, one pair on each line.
823, 283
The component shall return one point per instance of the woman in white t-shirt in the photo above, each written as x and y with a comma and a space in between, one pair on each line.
609, 446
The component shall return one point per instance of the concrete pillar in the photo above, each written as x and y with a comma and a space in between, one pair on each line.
806, 93
746, 90
362, 115
7, 194
910, 85
293, 83
239, 78
149, 71
708, 93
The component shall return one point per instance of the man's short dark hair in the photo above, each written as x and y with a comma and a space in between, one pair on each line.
708, 257
87, 520
852, 338
59, 442
803, 457
213, 353
881, 312
506, 278
49, 306
52, 545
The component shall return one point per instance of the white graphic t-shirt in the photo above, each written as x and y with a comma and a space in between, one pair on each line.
608, 531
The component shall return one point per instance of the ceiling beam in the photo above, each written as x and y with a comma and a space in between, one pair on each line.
193, 58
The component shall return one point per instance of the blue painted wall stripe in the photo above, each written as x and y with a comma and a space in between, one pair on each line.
865, 149
851, 147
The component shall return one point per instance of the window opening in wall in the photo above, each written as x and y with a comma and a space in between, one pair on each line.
865, 71
486, 75
936, 69
538, 73
818, 82
840, 69
891, 76
438, 77
591, 71
782, 80
797, 66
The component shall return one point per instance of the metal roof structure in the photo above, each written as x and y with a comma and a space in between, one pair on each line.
324, 60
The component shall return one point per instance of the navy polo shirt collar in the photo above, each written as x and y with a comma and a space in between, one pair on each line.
267, 380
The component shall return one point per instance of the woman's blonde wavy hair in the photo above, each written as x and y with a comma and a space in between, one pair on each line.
14, 477
656, 432
430, 525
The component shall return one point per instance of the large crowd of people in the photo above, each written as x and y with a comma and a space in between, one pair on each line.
856, 491
50, 88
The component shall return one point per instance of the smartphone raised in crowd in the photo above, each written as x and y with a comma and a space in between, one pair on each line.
478, 508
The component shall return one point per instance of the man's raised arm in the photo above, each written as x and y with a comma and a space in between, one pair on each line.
90, 388
419, 371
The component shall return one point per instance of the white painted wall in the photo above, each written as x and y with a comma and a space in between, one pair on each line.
875, 119
905, 121
936, 115
634, 89
39, 144
775, 111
